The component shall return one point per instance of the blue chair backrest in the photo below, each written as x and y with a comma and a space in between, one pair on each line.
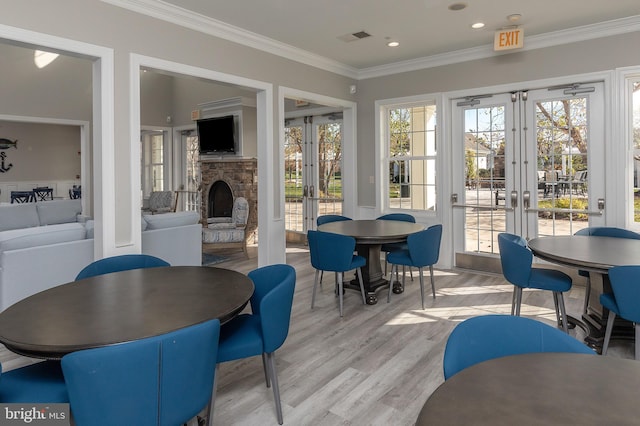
424, 246
493, 336
321, 220
625, 282
609, 231
161, 380
330, 252
272, 301
398, 216
124, 262
515, 258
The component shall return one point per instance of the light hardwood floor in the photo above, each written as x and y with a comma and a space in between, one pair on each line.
375, 366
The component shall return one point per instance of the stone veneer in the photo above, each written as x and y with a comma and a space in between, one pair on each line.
241, 174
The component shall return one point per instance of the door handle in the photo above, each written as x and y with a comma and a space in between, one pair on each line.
305, 191
311, 191
514, 199
526, 199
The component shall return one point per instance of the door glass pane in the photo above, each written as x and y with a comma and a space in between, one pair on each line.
329, 189
562, 173
192, 197
485, 177
635, 108
293, 182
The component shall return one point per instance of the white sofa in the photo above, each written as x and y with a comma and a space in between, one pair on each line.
46, 244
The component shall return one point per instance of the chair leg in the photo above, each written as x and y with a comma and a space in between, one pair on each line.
321, 276
210, 407
271, 360
563, 313
637, 346
390, 284
433, 285
315, 284
607, 335
411, 273
265, 366
361, 282
587, 291
421, 286
555, 304
518, 301
340, 276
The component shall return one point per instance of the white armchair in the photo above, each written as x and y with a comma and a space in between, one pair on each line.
228, 232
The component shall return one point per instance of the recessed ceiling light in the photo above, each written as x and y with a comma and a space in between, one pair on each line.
393, 44
515, 17
477, 25
457, 6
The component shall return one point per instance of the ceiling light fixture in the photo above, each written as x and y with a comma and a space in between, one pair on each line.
515, 17
477, 25
457, 6
393, 44
42, 58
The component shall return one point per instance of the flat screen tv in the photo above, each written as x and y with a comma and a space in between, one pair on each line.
217, 135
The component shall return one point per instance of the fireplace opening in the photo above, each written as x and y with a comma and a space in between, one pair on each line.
220, 200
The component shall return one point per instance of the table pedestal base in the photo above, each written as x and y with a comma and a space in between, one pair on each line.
597, 316
372, 275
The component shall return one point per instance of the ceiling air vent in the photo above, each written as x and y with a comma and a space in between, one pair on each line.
354, 36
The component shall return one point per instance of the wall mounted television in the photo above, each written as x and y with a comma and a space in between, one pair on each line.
217, 135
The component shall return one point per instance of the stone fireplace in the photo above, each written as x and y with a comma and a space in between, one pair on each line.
224, 179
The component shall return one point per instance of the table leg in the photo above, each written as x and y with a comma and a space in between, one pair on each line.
372, 275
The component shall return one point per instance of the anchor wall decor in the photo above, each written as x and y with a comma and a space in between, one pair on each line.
6, 144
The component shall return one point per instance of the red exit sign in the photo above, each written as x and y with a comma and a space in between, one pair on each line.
512, 38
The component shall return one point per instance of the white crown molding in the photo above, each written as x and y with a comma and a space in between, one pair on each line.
179, 16
197, 22
555, 38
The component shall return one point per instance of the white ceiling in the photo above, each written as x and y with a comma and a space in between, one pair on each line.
424, 28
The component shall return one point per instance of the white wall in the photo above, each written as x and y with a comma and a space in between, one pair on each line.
125, 33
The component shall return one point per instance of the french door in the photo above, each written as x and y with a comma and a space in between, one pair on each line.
313, 165
529, 162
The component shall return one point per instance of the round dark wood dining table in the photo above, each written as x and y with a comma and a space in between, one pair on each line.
121, 307
370, 235
538, 389
597, 255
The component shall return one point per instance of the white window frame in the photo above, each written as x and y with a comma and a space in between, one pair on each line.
624, 127
382, 108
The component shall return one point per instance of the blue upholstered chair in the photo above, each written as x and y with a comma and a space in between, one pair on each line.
328, 218
487, 337
389, 247
120, 263
602, 231
334, 252
516, 260
623, 302
35, 383
423, 249
264, 330
161, 380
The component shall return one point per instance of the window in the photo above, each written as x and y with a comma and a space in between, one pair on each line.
152, 159
411, 156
